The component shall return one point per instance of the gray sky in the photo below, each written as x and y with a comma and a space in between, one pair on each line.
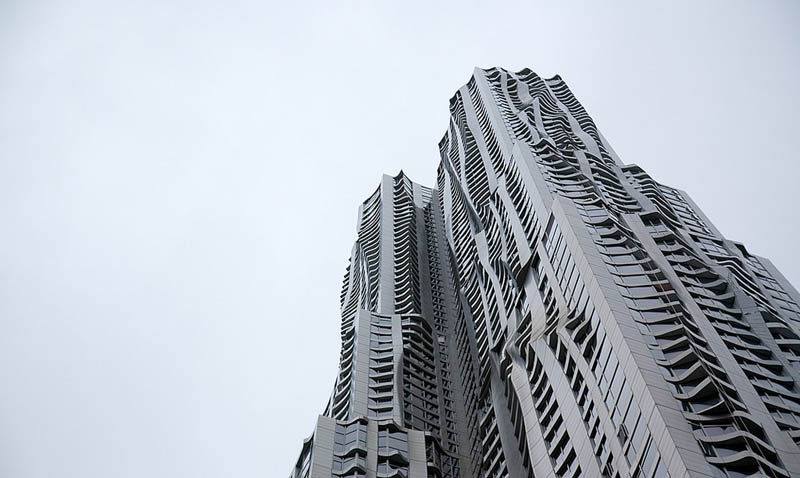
179, 184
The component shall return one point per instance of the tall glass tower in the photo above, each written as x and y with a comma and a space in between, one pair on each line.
549, 311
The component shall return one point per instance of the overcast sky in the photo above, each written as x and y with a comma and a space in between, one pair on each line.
179, 185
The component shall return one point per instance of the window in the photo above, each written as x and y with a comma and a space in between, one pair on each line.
390, 441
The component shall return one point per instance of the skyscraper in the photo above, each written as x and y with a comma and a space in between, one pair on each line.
548, 310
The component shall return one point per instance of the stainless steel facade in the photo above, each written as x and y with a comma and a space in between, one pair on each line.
550, 311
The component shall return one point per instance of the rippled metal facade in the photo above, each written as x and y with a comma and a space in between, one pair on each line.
548, 310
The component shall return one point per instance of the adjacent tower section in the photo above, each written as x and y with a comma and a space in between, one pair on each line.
397, 407
550, 311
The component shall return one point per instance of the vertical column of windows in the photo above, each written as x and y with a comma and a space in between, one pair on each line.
556, 438
441, 326
392, 451
420, 390
582, 392
381, 368
493, 458
350, 449
406, 266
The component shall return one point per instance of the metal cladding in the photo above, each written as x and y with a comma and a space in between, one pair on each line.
550, 311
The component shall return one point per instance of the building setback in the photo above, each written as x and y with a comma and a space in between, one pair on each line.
550, 311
